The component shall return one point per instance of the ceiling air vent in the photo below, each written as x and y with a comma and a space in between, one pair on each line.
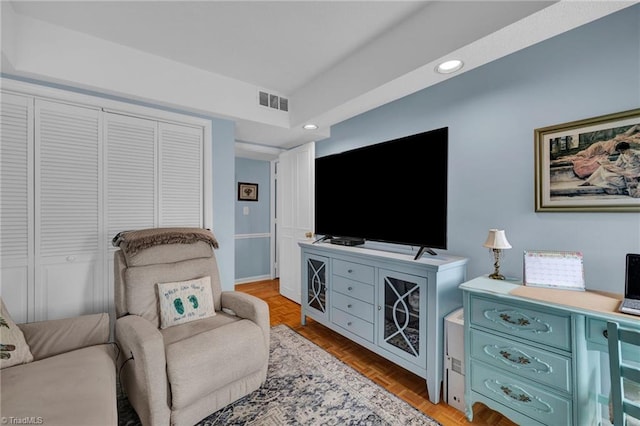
273, 101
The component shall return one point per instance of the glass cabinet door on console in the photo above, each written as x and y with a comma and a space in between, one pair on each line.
402, 312
315, 295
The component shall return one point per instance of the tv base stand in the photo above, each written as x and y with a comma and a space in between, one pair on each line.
387, 302
422, 250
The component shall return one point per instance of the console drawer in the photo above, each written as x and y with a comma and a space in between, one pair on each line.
521, 359
597, 331
523, 322
353, 288
353, 324
353, 306
520, 395
597, 338
353, 271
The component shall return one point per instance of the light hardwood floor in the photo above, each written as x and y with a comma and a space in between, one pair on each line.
397, 380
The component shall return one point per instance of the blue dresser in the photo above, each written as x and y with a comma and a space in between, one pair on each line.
534, 354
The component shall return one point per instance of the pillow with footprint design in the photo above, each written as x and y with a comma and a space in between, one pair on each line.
185, 301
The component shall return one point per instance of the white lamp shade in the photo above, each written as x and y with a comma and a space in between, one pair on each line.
497, 240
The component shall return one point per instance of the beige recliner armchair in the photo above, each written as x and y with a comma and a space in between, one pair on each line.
185, 354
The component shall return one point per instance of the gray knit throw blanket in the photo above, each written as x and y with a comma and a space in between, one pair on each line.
134, 241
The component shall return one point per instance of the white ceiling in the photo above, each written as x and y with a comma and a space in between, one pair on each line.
331, 59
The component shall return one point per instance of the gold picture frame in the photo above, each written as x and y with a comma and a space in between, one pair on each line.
579, 169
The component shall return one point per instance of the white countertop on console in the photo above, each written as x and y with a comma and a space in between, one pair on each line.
440, 261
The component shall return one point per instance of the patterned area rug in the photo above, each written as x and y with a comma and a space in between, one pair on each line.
307, 386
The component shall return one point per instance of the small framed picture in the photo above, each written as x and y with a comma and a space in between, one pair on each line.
247, 191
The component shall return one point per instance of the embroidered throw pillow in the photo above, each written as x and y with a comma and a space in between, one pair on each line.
13, 347
185, 301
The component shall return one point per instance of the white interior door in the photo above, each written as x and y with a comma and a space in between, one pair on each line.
16, 205
295, 213
68, 206
131, 171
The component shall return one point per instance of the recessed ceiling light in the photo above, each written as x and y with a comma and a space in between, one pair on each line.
448, 67
310, 126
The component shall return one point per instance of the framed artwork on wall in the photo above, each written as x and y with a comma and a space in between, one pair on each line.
247, 191
589, 165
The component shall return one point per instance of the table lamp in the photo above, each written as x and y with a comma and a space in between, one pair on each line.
497, 241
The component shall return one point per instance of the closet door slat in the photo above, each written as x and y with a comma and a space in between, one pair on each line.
181, 173
15, 177
131, 173
68, 164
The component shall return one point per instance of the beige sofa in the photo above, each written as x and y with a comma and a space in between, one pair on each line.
71, 380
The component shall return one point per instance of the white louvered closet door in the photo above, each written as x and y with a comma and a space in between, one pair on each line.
181, 173
68, 219
131, 176
16, 205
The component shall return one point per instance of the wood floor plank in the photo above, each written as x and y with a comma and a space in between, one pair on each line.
406, 385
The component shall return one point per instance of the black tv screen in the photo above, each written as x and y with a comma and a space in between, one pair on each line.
394, 191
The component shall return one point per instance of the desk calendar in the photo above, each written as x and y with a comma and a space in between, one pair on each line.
556, 269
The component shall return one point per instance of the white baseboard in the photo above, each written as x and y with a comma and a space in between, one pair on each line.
253, 279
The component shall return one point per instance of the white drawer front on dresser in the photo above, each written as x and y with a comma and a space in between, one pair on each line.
521, 395
523, 360
354, 271
353, 288
352, 323
525, 323
353, 306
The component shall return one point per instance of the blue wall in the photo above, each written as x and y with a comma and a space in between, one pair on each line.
491, 113
223, 152
253, 229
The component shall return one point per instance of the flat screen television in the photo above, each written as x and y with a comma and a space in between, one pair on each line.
393, 191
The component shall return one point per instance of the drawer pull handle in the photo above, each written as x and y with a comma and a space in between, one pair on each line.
605, 333
515, 358
518, 397
349, 323
350, 288
349, 306
350, 271
518, 360
519, 321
